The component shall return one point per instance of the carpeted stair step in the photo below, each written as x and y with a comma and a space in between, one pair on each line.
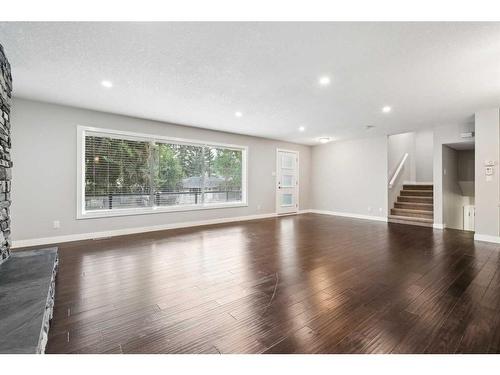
417, 187
412, 213
424, 222
413, 199
414, 206
417, 193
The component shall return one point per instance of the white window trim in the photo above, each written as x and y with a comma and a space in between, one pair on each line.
81, 213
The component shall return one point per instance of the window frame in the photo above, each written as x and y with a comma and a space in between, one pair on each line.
82, 213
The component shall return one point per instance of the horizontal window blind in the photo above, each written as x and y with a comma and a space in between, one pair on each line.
117, 173
123, 173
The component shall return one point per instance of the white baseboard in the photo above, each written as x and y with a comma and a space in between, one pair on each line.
122, 232
347, 214
486, 238
438, 226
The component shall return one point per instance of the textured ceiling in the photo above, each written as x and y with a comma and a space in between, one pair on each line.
200, 74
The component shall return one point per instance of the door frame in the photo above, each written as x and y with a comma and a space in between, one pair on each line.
276, 190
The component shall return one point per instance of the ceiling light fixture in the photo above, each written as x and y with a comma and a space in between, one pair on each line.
324, 140
386, 109
107, 84
238, 114
324, 81
302, 128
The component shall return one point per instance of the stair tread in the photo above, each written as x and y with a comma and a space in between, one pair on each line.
413, 211
420, 204
415, 196
411, 206
418, 191
410, 218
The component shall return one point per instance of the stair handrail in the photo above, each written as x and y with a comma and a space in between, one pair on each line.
398, 170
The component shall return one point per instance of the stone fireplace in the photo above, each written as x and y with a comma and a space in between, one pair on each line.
5, 162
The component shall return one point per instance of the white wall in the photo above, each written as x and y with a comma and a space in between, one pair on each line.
487, 192
466, 175
466, 165
419, 146
398, 145
44, 138
424, 147
351, 177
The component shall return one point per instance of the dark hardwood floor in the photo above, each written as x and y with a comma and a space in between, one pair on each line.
298, 284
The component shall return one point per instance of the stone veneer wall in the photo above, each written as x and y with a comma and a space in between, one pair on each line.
5, 162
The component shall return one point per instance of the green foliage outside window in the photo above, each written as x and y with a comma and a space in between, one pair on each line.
118, 166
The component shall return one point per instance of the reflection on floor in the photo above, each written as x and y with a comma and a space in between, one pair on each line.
299, 284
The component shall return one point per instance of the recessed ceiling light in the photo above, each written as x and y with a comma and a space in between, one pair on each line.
238, 114
386, 109
107, 84
324, 140
324, 80
302, 128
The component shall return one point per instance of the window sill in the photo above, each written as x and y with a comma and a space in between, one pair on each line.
154, 210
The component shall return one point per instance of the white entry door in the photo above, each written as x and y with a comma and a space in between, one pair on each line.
287, 181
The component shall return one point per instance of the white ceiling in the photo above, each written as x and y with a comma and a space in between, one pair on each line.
200, 74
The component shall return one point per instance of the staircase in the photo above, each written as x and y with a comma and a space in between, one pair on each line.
414, 206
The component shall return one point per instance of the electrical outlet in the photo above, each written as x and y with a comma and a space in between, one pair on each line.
369, 209
56, 224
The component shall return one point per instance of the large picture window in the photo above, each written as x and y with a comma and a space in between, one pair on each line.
126, 173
